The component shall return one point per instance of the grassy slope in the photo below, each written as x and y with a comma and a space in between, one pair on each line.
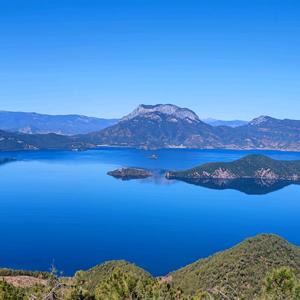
247, 166
240, 269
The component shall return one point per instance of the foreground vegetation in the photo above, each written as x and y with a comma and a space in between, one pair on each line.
265, 267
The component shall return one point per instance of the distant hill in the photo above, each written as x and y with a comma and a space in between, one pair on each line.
248, 167
231, 123
12, 141
33, 123
236, 273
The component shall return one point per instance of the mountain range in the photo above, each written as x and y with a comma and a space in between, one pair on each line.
160, 126
230, 123
169, 126
34, 123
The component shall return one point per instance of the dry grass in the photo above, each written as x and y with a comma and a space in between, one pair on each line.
24, 281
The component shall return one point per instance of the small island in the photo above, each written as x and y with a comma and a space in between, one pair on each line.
248, 167
130, 173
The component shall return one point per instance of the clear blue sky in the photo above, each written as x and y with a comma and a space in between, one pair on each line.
229, 59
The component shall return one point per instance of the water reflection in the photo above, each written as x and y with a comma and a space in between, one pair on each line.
247, 186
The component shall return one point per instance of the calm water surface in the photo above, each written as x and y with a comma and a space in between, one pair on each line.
61, 207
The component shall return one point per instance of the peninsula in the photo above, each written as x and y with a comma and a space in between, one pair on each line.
248, 167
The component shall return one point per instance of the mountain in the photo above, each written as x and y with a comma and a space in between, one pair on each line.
169, 126
264, 133
249, 167
33, 123
158, 126
261, 267
231, 123
153, 127
239, 271
12, 141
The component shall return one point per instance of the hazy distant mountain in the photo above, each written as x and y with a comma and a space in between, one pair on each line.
265, 133
14, 141
232, 123
61, 124
167, 126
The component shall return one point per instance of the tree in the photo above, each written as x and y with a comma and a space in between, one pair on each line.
281, 284
118, 285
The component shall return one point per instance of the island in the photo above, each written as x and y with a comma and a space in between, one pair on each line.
130, 173
249, 167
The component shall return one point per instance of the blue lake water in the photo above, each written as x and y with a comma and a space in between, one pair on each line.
61, 207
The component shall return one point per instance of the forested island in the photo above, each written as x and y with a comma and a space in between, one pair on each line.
130, 173
265, 267
248, 167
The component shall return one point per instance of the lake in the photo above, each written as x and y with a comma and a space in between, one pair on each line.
62, 208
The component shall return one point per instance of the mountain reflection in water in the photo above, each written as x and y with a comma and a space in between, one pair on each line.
247, 186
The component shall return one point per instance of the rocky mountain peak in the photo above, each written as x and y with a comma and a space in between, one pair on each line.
166, 109
260, 120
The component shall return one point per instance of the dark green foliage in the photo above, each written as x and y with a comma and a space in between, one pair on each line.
281, 284
38, 291
240, 270
127, 286
120, 285
90, 279
9, 292
78, 293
